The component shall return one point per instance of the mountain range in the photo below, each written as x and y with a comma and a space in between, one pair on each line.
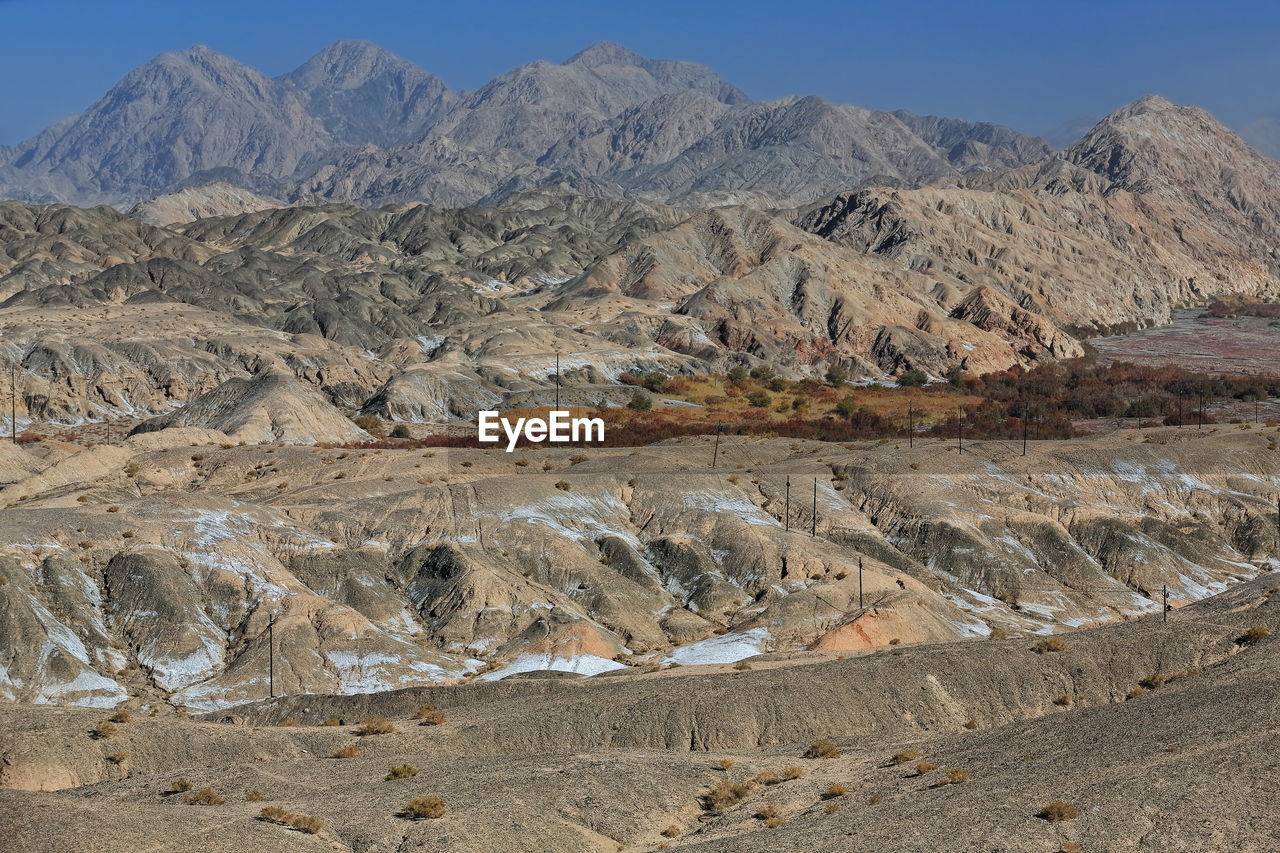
357, 123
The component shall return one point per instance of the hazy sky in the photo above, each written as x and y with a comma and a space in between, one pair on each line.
1030, 64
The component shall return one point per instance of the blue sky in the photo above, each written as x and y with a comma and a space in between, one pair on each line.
1029, 64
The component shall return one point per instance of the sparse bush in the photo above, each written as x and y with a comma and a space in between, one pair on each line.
640, 402
791, 772
742, 666
179, 786
834, 791
905, 755
424, 808
1255, 634
955, 775
923, 767
1059, 811
758, 399
875, 799
253, 795
672, 831
774, 822
400, 431
1136, 692
204, 797
766, 777
306, 823
121, 716
726, 763
429, 715
831, 808
401, 771
1049, 644
999, 634
822, 749
562, 486
767, 811
725, 794
970, 724
274, 814
351, 750
377, 725
1063, 701
104, 730
331, 721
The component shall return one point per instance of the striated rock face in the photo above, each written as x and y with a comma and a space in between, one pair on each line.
152, 568
1158, 206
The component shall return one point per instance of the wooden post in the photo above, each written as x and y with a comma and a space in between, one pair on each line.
271, 658
557, 379
813, 525
715, 454
859, 582
13, 401
786, 524
1165, 617
1024, 429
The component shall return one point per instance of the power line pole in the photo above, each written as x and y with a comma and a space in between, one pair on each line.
271, 658
13, 401
1165, 618
859, 582
557, 379
715, 454
813, 530
787, 512
1024, 429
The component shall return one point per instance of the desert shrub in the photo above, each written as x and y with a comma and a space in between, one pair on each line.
912, 378
1255, 634
970, 724
121, 716
1058, 811
792, 772
204, 797
837, 375
774, 822
253, 795
400, 431
955, 775
923, 767
104, 730
903, 756
875, 799
1063, 700
672, 831
429, 715
401, 771
1049, 644
306, 823
179, 786
291, 722
640, 402
726, 763
331, 721
1136, 692
369, 424
831, 808
274, 814
725, 794
562, 486
822, 749
834, 791
766, 812
758, 399
999, 634
351, 750
377, 725
424, 808
742, 666
766, 777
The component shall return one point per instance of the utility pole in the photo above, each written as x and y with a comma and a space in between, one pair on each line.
715, 454
911, 426
1200, 423
1165, 617
813, 526
557, 380
859, 582
960, 430
13, 401
1024, 429
271, 658
787, 522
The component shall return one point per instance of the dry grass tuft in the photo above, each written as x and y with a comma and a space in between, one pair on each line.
429, 715
253, 795
834, 791
1255, 634
401, 771
955, 776
104, 730
905, 755
424, 808
204, 797
724, 795
121, 716
822, 749
1049, 644
377, 725
1059, 811
351, 750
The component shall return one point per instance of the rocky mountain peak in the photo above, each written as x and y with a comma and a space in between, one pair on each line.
605, 53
